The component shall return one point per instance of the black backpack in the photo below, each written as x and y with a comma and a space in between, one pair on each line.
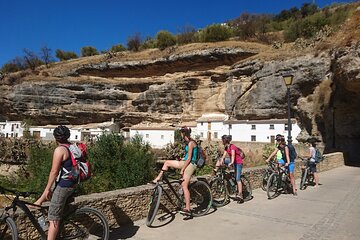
292, 152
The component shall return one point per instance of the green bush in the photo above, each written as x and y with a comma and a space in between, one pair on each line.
148, 43
165, 39
134, 42
88, 51
63, 55
215, 32
117, 48
118, 164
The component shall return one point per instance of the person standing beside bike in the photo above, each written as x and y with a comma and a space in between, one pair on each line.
63, 188
187, 166
285, 160
312, 163
236, 160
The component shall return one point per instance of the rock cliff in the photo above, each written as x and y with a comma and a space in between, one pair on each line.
181, 83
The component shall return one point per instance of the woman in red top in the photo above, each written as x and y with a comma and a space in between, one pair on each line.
236, 160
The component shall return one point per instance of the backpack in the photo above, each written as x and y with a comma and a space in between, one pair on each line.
201, 157
80, 170
318, 156
292, 152
241, 152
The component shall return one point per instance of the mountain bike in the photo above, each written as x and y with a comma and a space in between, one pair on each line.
307, 177
200, 197
270, 169
77, 223
223, 187
278, 182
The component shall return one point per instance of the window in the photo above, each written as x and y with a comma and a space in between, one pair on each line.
285, 126
253, 138
230, 126
253, 127
202, 134
147, 136
17, 125
16, 135
215, 135
201, 123
162, 136
76, 136
272, 126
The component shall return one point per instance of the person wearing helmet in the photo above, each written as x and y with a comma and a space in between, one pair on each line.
285, 158
63, 188
236, 159
187, 166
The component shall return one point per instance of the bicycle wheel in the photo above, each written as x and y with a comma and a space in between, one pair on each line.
8, 230
154, 205
265, 178
200, 198
272, 188
84, 223
219, 192
246, 188
304, 176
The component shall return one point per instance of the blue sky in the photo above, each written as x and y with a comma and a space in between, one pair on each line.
72, 24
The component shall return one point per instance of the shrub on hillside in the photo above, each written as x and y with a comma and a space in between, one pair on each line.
117, 48
88, 51
134, 42
63, 55
215, 32
165, 39
186, 35
148, 43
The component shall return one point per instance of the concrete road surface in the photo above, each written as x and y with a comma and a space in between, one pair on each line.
331, 212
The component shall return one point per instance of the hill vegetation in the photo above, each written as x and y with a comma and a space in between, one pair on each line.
287, 26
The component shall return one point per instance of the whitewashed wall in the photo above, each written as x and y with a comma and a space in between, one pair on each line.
11, 129
156, 138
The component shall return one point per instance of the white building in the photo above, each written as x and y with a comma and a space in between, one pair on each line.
213, 126
11, 129
157, 136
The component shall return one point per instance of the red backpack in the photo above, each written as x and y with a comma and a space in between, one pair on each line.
80, 170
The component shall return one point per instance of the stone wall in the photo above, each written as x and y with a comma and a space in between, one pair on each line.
124, 206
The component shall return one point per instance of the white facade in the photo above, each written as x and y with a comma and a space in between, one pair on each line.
211, 126
11, 129
156, 137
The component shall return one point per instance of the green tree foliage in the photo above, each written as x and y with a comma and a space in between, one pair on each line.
11, 66
215, 32
88, 51
118, 48
165, 39
148, 43
119, 164
134, 42
64, 55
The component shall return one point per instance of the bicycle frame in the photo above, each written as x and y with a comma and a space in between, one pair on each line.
169, 183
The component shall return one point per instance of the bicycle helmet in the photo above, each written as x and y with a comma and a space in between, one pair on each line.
226, 138
185, 130
61, 133
280, 137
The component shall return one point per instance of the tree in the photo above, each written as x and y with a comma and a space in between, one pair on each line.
149, 42
88, 51
134, 42
63, 55
117, 48
186, 34
31, 59
165, 39
215, 32
46, 55
13, 65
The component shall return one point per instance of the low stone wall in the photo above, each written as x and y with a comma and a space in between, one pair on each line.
127, 205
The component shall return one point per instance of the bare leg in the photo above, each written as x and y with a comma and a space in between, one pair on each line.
168, 163
53, 229
292, 180
185, 187
316, 177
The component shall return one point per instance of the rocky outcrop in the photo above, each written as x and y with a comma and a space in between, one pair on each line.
182, 86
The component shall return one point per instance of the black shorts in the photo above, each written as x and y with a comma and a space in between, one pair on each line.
312, 167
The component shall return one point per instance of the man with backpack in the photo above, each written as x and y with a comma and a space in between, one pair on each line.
314, 157
288, 156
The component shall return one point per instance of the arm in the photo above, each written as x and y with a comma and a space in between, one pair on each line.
272, 155
55, 167
188, 160
223, 157
232, 157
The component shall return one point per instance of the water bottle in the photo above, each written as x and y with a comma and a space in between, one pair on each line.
43, 224
232, 183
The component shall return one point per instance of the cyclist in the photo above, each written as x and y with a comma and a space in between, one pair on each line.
187, 166
285, 159
236, 160
57, 189
311, 143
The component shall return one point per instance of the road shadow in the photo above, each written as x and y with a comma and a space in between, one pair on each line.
124, 227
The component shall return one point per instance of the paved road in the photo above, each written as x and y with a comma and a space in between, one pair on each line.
331, 212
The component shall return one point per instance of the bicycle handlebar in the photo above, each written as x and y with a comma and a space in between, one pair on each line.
17, 193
